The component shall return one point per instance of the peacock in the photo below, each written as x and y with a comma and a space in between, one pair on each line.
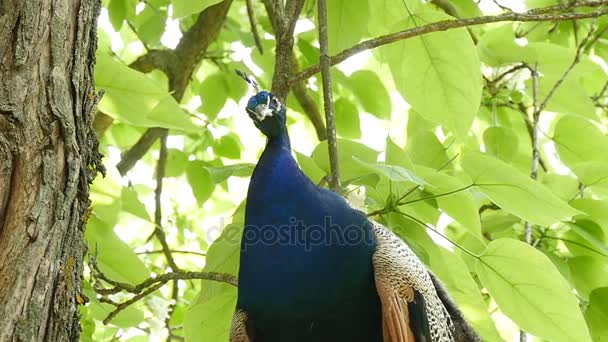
314, 269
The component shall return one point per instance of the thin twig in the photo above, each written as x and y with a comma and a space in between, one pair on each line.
332, 142
535, 15
129, 302
158, 218
254, 26
173, 251
172, 305
164, 278
577, 58
422, 223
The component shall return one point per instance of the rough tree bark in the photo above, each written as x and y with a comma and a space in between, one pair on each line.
48, 157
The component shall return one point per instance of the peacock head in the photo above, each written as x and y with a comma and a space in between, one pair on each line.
268, 113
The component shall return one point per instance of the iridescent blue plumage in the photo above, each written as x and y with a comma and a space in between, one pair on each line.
314, 269
293, 283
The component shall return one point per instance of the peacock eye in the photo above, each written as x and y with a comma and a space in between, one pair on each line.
275, 101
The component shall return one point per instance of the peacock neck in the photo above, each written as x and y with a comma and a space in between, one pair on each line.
279, 142
276, 170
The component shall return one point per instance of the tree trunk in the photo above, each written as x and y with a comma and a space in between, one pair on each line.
48, 157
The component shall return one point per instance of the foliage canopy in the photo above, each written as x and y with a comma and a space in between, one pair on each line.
439, 134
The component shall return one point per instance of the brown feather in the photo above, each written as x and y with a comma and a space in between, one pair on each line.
238, 330
395, 315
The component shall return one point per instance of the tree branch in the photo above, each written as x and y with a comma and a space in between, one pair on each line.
285, 25
332, 143
254, 26
158, 217
534, 15
146, 287
178, 66
299, 88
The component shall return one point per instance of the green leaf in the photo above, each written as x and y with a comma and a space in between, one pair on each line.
497, 47
209, 316
597, 314
132, 205
501, 142
392, 172
119, 10
371, 93
424, 148
438, 74
133, 98
200, 181
182, 8
114, 257
150, 24
588, 273
217, 88
348, 166
106, 193
345, 26
385, 14
228, 146
459, 205
310, 168
586, 237
569, 98
565, 187
515, 192
347, 119
578, 140
593, 174
530, 290
220, 174
176, 163
452, 270
395, 155
596, 209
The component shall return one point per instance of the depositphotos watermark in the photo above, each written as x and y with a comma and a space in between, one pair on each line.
297, 232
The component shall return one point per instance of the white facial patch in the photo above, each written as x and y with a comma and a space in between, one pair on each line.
262, 111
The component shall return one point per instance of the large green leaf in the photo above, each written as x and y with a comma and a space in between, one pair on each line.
119, 10
220, 174
531, 291
460, 204
348, 166
392, 172
464, 290
200, 181
208, 317
597, 314
150, 24
438, 74
114, 257
515, 192
497, 47
347, 119
345, 25
501, 142
133, 98
588, 273
182, 8
371, 93
425, 149
578, 140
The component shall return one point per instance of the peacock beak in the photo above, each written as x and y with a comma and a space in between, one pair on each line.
262, 111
